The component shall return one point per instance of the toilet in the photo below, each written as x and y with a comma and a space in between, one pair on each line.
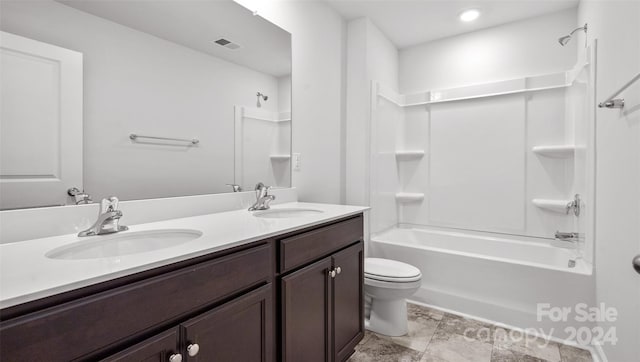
387, 284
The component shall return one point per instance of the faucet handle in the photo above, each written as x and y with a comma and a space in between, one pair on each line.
261, 190
574, 205
109, 204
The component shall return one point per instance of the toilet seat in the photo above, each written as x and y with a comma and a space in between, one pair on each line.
393, 271
394, 285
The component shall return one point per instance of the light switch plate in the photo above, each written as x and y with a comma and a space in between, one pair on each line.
296, 162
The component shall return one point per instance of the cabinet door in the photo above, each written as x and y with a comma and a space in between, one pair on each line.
306, 307
160, 348
239, 330
348, 296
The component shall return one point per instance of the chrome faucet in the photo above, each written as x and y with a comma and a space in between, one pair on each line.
108, 219
574, 205
235, 187
80, 197
263, 199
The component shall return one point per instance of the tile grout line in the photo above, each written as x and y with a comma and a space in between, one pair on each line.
431, 338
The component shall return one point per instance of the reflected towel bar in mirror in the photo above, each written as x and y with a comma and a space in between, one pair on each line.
193, 141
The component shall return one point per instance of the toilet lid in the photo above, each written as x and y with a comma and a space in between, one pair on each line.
390, 270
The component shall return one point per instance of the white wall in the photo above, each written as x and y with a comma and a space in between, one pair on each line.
135, 82
370, 56
502, 52
262, 138
358, 115
616, 26
318, 37
479, 172
284, 94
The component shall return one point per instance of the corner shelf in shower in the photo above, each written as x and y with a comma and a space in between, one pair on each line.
555, 205
409, 197
558, 151
280, 157
409, 154
528, 84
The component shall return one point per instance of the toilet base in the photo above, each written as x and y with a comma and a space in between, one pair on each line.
388, 317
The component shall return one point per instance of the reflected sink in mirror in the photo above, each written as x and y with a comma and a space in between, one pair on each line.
124, 244
285, 213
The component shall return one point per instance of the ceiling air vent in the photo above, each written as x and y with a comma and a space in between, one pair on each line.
227, 43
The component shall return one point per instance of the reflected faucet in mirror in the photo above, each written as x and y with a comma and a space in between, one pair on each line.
80, 197
108, 219
235, 187
263, 199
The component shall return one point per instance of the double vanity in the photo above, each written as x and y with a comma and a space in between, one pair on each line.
284, 284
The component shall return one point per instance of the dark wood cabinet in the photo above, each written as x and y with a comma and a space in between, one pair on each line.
159, 348
304, 248
95, 324
240, 330
348, 301
322, 304
297, 297
306, 307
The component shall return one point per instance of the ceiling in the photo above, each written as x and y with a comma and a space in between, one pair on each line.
411, 22
195, 24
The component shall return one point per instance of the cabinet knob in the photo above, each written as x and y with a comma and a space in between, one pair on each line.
338, 270
176, 357
636, 263
193, 349
332, 273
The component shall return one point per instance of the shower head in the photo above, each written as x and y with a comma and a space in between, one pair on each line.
263, 96
565, 39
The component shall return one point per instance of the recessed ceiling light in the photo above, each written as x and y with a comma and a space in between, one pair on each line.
469, 15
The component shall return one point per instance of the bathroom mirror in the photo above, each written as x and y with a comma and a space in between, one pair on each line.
140, 99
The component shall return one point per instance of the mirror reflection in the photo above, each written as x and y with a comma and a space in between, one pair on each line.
140, 99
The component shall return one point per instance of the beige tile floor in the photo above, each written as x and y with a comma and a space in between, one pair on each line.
435, 336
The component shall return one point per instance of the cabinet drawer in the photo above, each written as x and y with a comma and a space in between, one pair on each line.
158, 348
74, 329
307, 247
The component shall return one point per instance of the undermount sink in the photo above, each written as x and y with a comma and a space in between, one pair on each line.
105, 246
285, 213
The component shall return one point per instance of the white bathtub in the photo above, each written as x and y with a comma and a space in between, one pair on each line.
490, 276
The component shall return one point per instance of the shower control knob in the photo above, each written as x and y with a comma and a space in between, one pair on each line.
193, 349
636, 263
176, 357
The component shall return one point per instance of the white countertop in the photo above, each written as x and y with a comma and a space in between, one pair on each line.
26, 274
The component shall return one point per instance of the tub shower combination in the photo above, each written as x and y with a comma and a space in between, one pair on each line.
490, 276
487, 190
